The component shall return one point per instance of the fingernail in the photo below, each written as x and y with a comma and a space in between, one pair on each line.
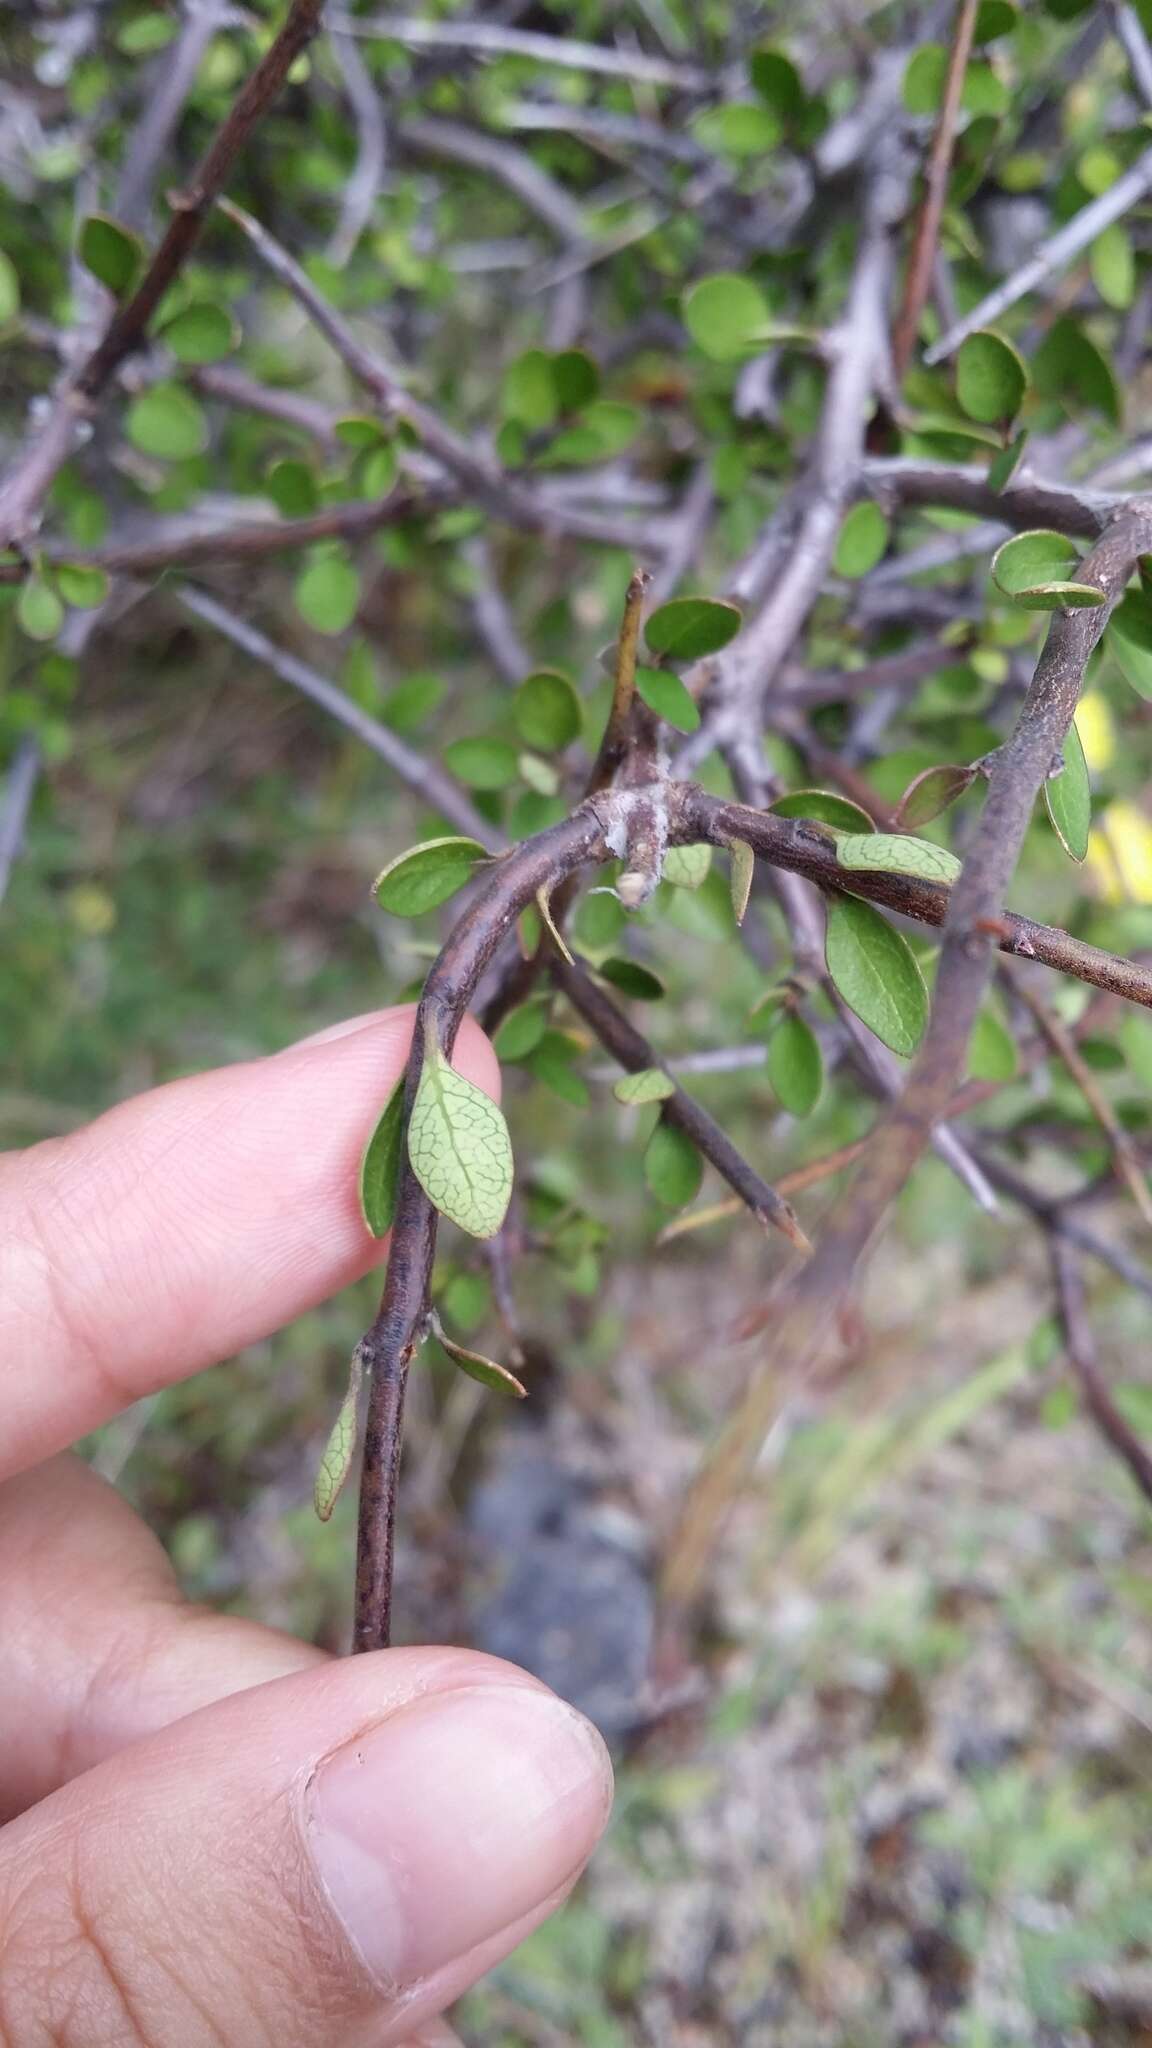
451, 1820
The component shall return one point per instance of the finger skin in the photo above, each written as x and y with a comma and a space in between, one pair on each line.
187, 1223
100, 1646
323, 1862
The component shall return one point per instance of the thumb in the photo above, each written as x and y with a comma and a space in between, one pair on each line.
330, 1858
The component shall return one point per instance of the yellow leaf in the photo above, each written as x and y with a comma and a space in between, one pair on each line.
1097, 731
1120, 855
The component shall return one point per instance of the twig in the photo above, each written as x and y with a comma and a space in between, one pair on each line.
389, 1346
24, 487
19, 790
428, 780
1081, 1351
619, 1036
1124, 1156
491, 613
1052, 255
918, 280
246, 540
428, 135
363, 187
168, 85
1130, 33
488, 38
803, 849
482, 480
1025, 501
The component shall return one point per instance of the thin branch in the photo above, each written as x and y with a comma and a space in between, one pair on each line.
24, 487
246, 540
803, 849
390, 1345
363, 187
429, 135
1080, 1347
1053, 255
482, 479
1125, 1159
19, 791
1025, 501
1130, 34
619, 1036
859, 355
169, 83
614, 743
492, 614
425, 777
918, 280
488, 38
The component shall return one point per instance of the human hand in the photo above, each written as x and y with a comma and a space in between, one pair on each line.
215, 1834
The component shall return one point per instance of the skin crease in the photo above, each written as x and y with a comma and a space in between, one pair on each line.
176, 1843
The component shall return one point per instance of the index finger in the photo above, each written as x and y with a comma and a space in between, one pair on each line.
187, 1223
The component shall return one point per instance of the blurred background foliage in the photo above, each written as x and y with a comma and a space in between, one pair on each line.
910, 1802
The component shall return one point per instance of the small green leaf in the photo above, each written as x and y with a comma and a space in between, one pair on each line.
9, 289
725, 315
875, 970
666, 695
1113, 266
862, 540
1068, 799
933, 791
995, 18
632, 980
541, 776
895, 853
686, 628
521, 1031
686, 867
824, 807
496, 1377
530, 394
547, 711
361, 430
426, 875
575, 377
166, 421
340, 1449
1032, 569
39, 611
554, 1064
1069, 366
991, 1049
777, 81
1128, 638
924, 79
1003, 466
380, 1165
202, 333
795, 1067
113, 254
482, 763
991, 378
459, 1146
292, 487
651, 1084
741, 128
673, 1167
327, 593
740, 877
80, 585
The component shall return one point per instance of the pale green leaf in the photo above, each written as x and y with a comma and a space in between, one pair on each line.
686, 867
1068, 799
651, 1084
740, 878
340, 1449
895, 853
459, 1146
673, 1167
795, 1066
477, 1367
